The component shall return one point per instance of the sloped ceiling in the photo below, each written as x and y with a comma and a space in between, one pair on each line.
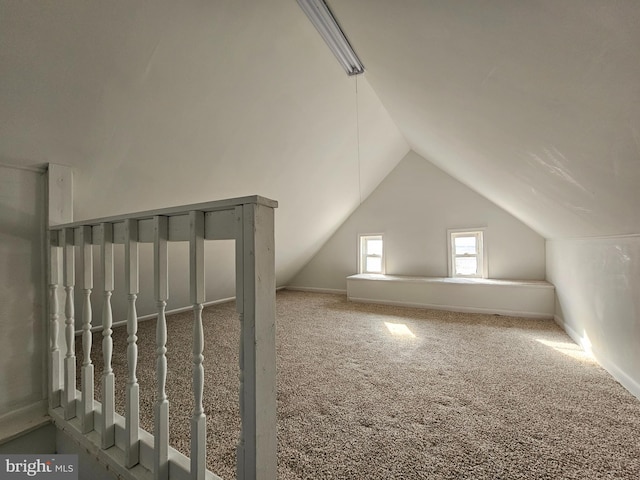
535, 105
166, 103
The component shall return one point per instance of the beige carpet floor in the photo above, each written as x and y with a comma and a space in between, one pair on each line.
378, 392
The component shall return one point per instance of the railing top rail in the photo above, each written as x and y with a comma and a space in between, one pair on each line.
215, 205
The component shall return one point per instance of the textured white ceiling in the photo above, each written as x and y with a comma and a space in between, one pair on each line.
535, 105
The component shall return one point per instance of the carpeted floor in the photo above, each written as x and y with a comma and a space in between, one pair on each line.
378, 392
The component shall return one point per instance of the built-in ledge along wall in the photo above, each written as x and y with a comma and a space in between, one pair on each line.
522, 298
413, 208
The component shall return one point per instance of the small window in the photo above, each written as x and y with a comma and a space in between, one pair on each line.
466, 254
371, 254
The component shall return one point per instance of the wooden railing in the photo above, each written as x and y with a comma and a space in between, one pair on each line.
119, 441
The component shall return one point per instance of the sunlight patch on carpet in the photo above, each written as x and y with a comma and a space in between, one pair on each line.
568, 348
399, 329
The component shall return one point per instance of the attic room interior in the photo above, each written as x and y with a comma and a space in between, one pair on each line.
427, 267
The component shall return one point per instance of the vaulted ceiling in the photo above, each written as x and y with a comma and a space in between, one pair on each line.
535, 105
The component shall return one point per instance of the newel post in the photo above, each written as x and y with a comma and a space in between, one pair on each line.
256, 303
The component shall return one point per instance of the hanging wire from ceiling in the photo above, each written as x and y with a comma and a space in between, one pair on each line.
358, 144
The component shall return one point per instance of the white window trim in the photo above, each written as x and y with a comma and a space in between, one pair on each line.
483, 260
361, 253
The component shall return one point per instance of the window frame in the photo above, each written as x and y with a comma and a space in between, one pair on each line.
362, 254
481, 249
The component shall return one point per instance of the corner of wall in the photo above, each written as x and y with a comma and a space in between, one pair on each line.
597, 305
14, 425
616, 372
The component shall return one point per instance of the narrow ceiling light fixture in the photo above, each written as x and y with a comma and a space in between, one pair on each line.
326, 24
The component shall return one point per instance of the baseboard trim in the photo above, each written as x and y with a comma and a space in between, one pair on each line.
178, 310
153, 316
174, 311
455, 308
614, 370
315, 290
560, 322
23, 420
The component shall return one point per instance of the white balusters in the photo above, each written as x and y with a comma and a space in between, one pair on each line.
132, 414
69, 394
161, 418
255, 290
108, 379
198, 420
54, 357
86, 267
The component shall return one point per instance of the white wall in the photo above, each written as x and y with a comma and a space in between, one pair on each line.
413, 207
598, 299
156, 104
22, 311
